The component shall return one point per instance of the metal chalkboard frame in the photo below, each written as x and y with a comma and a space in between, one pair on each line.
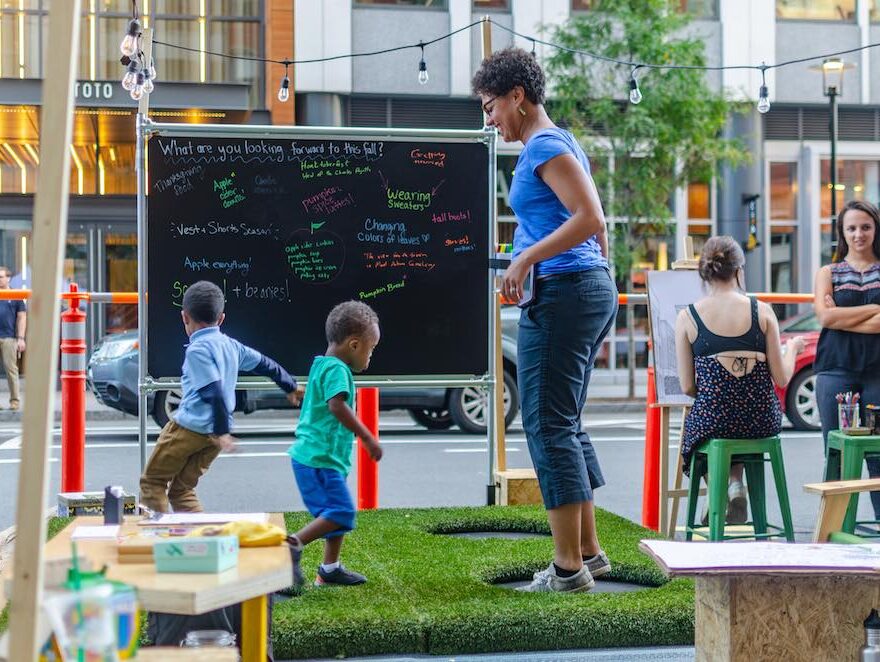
146, 128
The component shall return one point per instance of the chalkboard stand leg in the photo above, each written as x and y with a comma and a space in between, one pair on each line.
491, 495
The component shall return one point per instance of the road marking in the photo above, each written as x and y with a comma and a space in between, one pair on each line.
475, 450
16, 460
11, 444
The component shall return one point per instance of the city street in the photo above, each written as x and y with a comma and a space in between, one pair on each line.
420, 468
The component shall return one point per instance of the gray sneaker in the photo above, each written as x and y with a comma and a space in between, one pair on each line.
547, 581
340, 575
598, 565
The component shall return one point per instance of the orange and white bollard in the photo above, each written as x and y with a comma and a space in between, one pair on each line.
367, 468
73, 396
651, 478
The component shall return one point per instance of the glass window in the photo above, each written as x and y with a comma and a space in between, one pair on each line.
817, 10
19, 45
497, 5
115, 169
699, 200
175, 7
247, 8
700, 233
783, 191
175, 64
874, 10
110, 32
856, 180
235, 38
121, 276
114, 6
698, 8
428, 4
15, 5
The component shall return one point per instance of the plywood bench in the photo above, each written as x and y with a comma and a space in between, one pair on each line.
835, 496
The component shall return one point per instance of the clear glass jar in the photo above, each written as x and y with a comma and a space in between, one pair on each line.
208, 639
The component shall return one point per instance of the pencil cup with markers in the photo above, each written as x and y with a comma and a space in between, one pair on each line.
848, 415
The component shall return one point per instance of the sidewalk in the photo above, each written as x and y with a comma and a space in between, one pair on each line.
608, 395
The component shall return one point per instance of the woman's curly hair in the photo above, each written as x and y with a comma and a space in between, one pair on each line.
505, 69
721, 259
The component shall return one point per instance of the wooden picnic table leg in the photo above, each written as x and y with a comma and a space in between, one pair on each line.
832, 510
254, 629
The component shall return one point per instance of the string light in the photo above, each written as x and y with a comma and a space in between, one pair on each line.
423, 68
129, 43
763, 97
635, 94
284, 90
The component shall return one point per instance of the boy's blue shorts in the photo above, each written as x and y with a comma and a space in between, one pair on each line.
325, 494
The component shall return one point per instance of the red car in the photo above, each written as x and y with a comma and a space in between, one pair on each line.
798, 399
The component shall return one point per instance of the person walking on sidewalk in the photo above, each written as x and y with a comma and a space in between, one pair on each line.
13, 322
201, 427
561, 234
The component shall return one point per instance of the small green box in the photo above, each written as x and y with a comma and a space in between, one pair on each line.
196, 554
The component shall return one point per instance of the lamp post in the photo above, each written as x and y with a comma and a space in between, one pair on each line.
832, 86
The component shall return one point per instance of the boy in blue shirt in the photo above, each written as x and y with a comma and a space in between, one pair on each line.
321, 454
201, 426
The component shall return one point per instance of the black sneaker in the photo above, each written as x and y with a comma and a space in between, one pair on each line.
341, 576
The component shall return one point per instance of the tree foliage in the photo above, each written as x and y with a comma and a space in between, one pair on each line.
672, 137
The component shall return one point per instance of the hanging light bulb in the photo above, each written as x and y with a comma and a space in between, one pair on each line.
763, 100
152, 69
423, 68
129, 42
763, 96
148, 83
635, 94
130, 78
138, 90
284, 90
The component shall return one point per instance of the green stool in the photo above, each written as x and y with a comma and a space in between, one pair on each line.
716, 455
850, 451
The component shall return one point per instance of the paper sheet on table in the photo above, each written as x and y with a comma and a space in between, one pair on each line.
108, 532
695, 558
205, 518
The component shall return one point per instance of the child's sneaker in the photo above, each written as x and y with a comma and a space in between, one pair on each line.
547, 581
296, 551
340, 575
598, 565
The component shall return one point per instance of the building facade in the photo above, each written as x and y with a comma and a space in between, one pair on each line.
191, 86
790, 145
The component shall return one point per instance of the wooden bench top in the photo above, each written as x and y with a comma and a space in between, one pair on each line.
843, 486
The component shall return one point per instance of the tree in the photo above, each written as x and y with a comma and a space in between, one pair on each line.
671, 138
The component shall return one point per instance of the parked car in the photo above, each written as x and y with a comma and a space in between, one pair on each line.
798, 399
113, 370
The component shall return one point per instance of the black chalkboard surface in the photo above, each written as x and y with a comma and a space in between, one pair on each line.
290, 227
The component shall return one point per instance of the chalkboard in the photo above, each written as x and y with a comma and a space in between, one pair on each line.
288, 227
668, 293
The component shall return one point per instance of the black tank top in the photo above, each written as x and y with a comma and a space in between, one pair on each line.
707, 343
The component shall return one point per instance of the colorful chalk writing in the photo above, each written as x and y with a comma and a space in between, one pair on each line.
180, 182
275, 291
430, 158
228, 266
229, 195
218, 228
382, 289
327, 201
413, 260
315, 258
461, 216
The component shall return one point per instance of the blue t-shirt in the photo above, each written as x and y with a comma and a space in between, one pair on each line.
211, 356
539, 211
9, 310
322, 441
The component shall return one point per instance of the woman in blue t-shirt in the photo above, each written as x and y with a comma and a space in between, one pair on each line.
561, 233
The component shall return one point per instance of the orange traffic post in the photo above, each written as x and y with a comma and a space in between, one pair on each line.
651, 478
367, 468
73, 396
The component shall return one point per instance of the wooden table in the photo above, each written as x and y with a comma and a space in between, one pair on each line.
260, 571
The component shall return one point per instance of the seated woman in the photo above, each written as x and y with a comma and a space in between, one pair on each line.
729, 355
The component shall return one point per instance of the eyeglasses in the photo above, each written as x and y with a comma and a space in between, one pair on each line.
486, 108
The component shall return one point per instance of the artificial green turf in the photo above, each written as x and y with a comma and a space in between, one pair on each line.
432, 593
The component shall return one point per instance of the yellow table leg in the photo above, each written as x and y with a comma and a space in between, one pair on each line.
254, 629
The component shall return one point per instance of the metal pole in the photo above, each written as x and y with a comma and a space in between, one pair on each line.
492, 422
140, 167
832, 98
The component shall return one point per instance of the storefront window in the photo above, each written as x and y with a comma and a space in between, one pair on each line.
856, 180
817, 10
109, 31
175, 7
783, 191
428, 4
497, 5
241, 38
19, 44
699, 200
234, 7
120, 276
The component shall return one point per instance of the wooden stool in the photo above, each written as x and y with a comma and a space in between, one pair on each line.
843, 461
716, 455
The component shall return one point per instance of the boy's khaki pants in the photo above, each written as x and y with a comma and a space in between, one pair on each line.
180, 458
9, 352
